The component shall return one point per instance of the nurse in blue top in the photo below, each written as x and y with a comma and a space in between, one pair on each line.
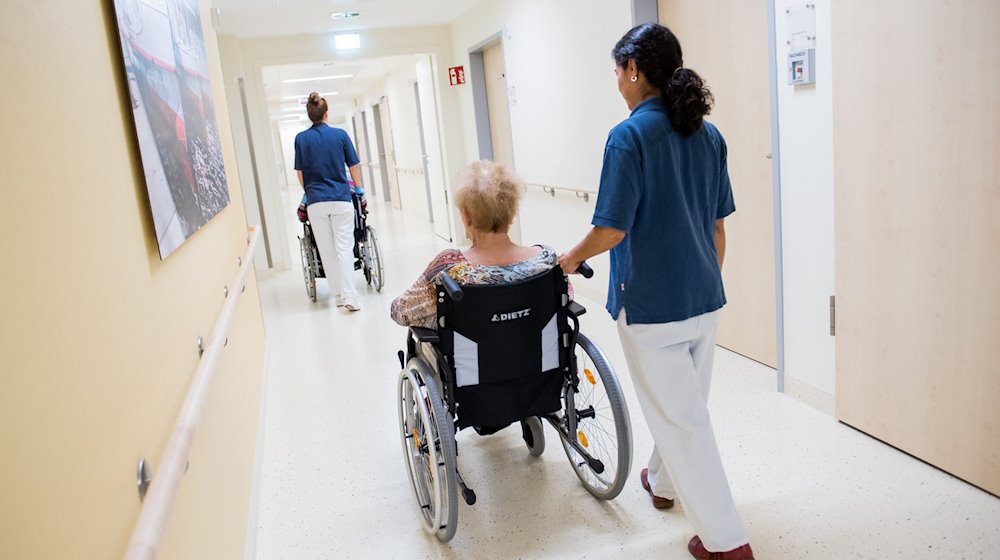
322, 153
663, 198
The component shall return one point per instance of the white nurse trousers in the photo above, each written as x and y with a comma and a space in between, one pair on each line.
333, 227
671, 366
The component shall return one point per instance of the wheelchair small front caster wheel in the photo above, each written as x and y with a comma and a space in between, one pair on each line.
534, 437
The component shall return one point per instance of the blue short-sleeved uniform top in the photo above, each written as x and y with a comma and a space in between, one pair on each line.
321, 153
665, 191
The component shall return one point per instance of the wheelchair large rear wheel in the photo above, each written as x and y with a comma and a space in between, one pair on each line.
305, 251
429, 451
373, 259
606, 434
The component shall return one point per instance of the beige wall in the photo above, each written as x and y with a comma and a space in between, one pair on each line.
97, 338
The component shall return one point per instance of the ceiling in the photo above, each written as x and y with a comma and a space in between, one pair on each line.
283, 98
259, 18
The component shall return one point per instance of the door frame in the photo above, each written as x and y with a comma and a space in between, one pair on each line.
380, 148
779, 283
368, 154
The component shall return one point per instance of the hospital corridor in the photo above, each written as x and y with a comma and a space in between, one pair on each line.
499, 279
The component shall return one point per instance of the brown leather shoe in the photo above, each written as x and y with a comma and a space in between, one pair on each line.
658, 502
698, 551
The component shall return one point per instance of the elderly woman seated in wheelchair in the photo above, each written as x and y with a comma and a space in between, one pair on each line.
494, 339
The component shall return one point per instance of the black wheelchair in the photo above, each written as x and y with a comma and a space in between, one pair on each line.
367, 253
503, 354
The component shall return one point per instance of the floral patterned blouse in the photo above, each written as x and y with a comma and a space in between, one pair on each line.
417, 306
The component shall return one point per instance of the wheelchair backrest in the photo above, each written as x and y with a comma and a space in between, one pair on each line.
506, 331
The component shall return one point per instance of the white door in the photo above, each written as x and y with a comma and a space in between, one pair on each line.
387, 157
371, 147
431, 139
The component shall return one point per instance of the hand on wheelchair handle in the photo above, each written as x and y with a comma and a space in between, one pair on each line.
581, 267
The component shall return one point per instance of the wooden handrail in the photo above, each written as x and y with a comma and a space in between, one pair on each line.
155, 512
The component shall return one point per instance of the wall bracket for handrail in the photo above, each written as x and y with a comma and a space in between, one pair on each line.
583, 194
155, 511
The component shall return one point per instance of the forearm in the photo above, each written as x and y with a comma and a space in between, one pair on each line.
302, 183
720, 245
598, 240
417, 306
356, 174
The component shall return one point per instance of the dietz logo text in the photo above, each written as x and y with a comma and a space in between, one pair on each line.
497, 317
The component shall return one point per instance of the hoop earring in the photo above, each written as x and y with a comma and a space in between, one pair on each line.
633, 78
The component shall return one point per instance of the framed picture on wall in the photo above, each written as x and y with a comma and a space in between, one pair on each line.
163, 47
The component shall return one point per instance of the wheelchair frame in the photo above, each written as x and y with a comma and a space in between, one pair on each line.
366, 244
436, 492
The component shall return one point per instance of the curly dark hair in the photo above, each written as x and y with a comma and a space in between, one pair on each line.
657, 54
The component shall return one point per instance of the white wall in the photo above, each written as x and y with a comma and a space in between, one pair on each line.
286, 137
806, 138
397, 88
564, 100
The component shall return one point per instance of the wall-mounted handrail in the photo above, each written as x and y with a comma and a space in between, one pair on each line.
409, 170
551, 189
155, 512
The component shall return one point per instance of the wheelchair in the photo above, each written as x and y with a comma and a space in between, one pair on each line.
367, 253
503, 354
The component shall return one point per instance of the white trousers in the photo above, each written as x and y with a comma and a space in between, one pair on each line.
333, 226
671, 366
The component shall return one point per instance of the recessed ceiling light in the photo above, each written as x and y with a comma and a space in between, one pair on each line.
305, 95
337, 77
344, 15
347, 41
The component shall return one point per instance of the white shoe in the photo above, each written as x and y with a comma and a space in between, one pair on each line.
352, 306
340, 301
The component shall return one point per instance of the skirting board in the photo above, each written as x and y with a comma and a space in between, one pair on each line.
816, 398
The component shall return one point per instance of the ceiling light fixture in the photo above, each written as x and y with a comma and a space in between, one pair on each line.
347, 41
305, 95
344, 15
337, 77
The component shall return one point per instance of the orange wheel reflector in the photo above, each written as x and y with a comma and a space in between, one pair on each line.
590, 376
583, 438
416, 438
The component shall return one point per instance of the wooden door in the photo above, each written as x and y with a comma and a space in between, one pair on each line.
726, 43
917, 191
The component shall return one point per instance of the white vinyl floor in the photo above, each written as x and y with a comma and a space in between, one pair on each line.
333, 484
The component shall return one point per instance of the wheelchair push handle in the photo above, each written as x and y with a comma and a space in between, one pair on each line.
450, 286
585, 270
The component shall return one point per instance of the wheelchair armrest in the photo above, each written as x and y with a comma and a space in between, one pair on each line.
576, 309
422, 334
